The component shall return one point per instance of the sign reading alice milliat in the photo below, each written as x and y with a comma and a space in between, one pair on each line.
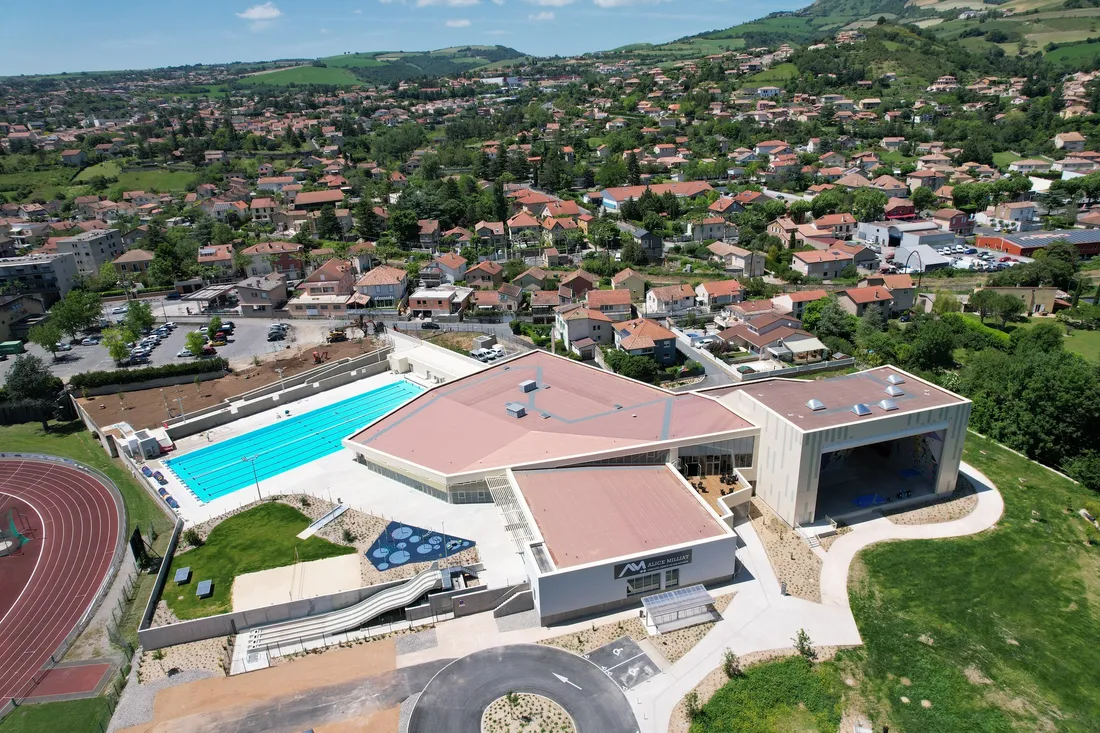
652, 564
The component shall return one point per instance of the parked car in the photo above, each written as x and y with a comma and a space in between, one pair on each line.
183, 353
481, 355
90, 341
228, 325
430, 326
171, 325
971, 251
62, 346
173, 296
120, 309
276, 336
209, 350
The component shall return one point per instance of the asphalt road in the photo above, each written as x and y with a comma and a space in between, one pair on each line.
455, 699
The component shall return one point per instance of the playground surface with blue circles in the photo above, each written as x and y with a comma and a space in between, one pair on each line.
401, 544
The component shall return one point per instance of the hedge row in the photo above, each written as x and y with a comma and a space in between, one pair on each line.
129, 376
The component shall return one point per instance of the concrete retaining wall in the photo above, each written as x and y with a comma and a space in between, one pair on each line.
228, 624
315, 381
523, 600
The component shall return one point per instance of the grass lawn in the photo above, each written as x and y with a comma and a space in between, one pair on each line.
76, 716
1004, 158
461, 342
37, 184
779, 72
157, 181
778, 697
1085, 343
303, 75
1009, 618
259, 539
107, 169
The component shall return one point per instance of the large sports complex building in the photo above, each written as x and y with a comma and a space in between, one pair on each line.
593, 472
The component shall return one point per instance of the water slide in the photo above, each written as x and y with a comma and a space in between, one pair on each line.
336, 622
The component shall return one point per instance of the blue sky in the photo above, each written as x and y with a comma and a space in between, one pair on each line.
128, 34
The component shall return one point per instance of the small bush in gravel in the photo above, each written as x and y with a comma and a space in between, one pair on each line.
348, 535
193, 538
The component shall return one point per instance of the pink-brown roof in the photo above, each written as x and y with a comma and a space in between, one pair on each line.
591, 514
581, 402
598, 298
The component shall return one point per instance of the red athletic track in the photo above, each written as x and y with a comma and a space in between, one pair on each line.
76, 521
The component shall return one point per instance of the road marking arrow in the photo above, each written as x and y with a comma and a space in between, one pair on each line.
565, 679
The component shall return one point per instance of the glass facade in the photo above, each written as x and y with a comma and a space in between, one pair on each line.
651, 458
643, 584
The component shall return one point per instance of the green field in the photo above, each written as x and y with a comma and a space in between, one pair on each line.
259, 539
43, 185
107, 169
1074, 55
353, 61
76, 716
1085, 343
995, 630
303, 75
779, 697
778, 73
1004, 157
156, 181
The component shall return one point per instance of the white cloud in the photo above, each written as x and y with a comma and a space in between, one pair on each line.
552, 3
458, 23
357, 11
541, 17
261, 16
448, 3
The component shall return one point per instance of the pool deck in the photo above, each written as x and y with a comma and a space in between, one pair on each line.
337, 477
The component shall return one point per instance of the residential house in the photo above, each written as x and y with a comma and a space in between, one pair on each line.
554, 231
643, 337
443, 301
543, 304
262, 209
1029, 166
274, 183
485, 274
650, 243
262, 295
631, 281
218, 256
861, 256
713, 228
716, 294
384, 286
856, 300
533, 278
280, 257
1071, 142
551, 257
582, 329
1017, 216
574, 285
316, 200
93, 249
613, 303
453, 267
326, 291
491, 232
954, 221
927, 178
900, 209
523, 227
429, 232
903, 291
491, 302
794, 303
670, 299
824, 264
133, 262
776, 337
840, 226
738, 260
75, 157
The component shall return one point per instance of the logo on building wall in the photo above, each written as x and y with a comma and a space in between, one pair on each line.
652, 564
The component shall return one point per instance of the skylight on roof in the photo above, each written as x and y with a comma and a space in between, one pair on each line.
895, 391
861, 409
815, 405
895, 379
888, 405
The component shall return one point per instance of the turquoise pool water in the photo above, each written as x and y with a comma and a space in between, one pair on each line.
226, 466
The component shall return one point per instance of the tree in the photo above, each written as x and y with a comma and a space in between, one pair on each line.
30, 379
804, 646
1086, 469
116, 340
731, 665
931, 345
811, 314
328, 226
46, 335
869, 204
633, 254
213, 326
194, 341
983, 302
1006, 307
799, 209
368, 224
633, 169
923, 198
139, 317
945, 302
405, 227
79, 310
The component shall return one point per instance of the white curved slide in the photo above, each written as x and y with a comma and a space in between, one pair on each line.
336, 622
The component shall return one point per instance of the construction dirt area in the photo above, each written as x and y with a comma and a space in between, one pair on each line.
225, 703
151, 407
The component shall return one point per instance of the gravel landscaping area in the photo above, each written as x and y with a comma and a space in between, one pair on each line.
792, 559
956, 506
518, 621
135, 707
209, 655
672, 645
523, 713
418, 642
713, 682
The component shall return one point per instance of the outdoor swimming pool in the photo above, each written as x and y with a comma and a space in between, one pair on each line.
293, 441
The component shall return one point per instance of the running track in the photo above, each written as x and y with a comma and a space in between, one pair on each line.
77, 522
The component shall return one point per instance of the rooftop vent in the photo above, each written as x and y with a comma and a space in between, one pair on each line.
888, 405
861, 409
515, 409
529, 385
617, 406
815, 405
895, 379
895, 391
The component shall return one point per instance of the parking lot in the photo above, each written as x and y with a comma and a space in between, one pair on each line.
624, 662
249, 342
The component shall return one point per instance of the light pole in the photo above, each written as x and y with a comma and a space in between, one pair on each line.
920, 273
167, 411
256, 478
280, 371
179, 400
